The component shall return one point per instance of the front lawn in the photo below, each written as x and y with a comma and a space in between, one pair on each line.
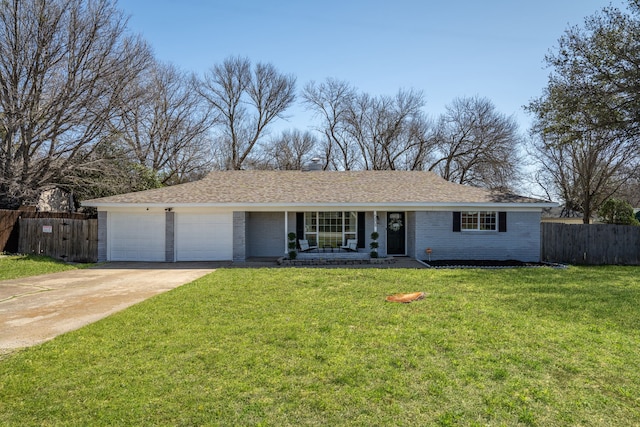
534, 347
16, 266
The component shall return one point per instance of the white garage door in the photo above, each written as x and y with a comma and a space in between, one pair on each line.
204, 237
136, 236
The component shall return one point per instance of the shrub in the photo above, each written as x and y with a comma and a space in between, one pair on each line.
374, 244
293, 253
615, 211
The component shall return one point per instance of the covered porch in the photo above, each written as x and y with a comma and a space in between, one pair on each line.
328, 232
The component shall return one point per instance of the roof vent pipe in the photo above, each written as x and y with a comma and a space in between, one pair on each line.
314, 165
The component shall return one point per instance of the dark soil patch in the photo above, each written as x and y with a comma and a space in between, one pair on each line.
482, 263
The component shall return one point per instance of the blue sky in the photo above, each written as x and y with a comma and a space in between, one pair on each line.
490, 48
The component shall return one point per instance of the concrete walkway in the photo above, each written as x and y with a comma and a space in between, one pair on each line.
37, 309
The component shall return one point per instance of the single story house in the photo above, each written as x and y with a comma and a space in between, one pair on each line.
235, 215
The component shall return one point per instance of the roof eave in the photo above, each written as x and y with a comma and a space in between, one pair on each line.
308, 206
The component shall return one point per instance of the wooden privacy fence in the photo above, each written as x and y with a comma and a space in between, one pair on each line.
72, 240
10, 225
590, 244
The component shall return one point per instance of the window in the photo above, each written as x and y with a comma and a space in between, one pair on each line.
330, 229
479, 220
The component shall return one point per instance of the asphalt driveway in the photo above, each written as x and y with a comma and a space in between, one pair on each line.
37, 309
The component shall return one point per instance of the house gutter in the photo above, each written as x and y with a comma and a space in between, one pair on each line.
331, 206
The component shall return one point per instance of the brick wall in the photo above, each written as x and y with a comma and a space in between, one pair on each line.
521, 241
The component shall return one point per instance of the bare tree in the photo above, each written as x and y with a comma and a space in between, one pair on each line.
290, 150
365, 132
245, 101
63, 67
390, 132
630, 190
109, 170
165, 125
584, 173
331, 101
477, 145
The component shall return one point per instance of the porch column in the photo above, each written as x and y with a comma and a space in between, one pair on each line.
375, 221
286, 232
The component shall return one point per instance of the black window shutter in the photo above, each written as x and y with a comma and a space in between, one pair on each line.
300, 225
457, 219
361, 230
502, 222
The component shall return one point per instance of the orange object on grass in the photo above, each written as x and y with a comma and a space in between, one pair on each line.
406, 298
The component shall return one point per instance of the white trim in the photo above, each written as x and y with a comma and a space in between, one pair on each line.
478, 229
375, 221
345, 235
311, 207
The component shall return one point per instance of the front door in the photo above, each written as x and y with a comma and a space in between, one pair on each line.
395, 234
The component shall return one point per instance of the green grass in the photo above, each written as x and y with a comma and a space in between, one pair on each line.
16, 266
277, 347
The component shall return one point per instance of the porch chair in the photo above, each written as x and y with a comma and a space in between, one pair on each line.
352, 245
304, 246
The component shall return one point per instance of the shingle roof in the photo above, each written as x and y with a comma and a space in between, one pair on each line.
315, 188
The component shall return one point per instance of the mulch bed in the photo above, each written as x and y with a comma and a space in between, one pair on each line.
482, 263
